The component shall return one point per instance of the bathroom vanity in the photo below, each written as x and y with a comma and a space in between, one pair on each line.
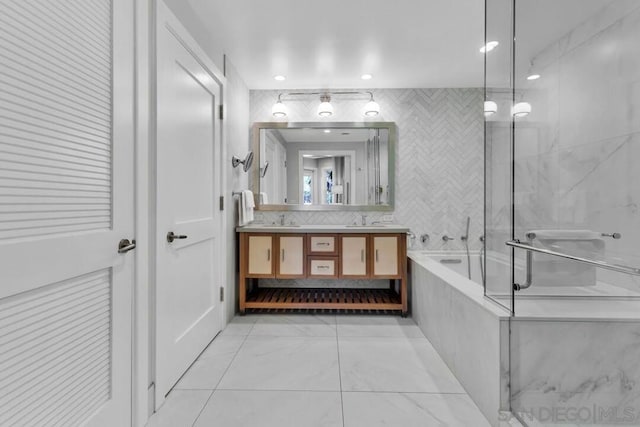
331, 252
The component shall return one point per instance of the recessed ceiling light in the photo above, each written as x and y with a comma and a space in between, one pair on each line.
533, 77
279, 78
489, 46
366, 77
327, 131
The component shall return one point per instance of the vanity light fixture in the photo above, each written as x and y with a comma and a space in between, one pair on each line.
372, 108
521, 109
533, 77
279, 110
489, 46
325, 109
490, 108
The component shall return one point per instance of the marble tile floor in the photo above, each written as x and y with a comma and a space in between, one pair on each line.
273, 370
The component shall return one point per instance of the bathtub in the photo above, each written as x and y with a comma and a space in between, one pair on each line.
466, 329
560, 338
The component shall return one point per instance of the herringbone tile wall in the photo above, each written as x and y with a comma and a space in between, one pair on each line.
439, 162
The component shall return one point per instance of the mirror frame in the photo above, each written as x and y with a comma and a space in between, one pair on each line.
255, 173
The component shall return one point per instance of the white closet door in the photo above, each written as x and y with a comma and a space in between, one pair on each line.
66, 200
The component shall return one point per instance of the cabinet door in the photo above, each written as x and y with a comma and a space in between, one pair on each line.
291, 256
354, 256
260, 253
385, 256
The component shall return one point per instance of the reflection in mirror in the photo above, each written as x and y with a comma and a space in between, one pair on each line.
325, 167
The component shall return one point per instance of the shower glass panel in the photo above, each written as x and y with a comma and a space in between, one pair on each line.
562, 189
498, 155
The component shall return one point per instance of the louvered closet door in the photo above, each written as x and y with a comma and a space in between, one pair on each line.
66, 160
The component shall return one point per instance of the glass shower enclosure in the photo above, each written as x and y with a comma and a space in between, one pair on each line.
562, 204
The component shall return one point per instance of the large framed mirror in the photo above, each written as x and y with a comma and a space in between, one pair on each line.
324, 166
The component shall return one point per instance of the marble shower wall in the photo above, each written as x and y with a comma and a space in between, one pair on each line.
439, 159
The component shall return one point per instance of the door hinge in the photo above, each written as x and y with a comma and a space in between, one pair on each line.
285, 163
221, 294
221, 203
221, 112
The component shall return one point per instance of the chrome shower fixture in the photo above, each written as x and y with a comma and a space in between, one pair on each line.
246, 163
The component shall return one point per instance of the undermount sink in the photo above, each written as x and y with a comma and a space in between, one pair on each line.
276, 225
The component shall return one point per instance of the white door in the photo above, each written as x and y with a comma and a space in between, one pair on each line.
188, 270
66, 200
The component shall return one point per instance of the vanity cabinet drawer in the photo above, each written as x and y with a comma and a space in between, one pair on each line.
326, 267
323, 244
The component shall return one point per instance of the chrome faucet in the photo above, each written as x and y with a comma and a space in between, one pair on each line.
447, 238
282, 219
424, 238
364, 220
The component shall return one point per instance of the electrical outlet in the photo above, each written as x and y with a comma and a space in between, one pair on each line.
387, 218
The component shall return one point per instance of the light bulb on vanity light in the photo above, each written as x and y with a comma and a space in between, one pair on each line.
521, 109
533, 76
490, 108
279, 110
325, 109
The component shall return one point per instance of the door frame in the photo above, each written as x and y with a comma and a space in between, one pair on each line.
143, 369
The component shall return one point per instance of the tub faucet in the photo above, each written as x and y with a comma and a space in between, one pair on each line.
447, 238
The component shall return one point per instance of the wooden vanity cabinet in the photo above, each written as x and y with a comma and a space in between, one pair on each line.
323, 256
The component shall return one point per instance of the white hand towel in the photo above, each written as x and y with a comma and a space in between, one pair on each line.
264, 200
245, 211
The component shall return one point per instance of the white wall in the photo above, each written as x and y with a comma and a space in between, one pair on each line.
237, 118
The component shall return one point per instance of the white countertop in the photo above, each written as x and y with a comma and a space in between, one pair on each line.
309, 228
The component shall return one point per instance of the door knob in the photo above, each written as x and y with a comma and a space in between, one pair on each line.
171, 236
125, 246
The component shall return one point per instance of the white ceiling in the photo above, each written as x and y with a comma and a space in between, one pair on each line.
404, 43
331, 43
